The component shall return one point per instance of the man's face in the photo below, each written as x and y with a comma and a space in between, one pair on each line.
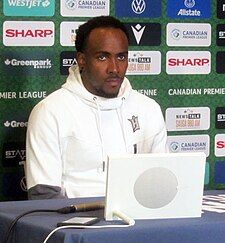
104, 61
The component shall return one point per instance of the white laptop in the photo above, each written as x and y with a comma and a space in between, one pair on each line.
150, 186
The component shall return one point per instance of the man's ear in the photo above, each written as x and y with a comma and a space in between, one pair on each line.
80, 59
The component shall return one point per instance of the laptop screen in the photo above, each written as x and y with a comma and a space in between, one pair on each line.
145, 186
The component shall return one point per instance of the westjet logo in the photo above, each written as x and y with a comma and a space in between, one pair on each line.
138, 6
29, 7
29, 3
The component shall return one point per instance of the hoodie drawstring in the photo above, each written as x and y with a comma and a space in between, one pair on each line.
121, 120
119, 112
99, 126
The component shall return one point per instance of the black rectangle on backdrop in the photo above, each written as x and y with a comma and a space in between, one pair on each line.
13, 153
144, 34
220, 117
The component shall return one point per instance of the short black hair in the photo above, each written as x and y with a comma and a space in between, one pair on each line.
85, 29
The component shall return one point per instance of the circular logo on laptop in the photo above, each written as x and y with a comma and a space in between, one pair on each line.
155, 187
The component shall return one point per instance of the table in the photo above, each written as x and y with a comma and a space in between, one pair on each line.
33, 228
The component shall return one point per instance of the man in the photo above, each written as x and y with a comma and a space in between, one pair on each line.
96, 113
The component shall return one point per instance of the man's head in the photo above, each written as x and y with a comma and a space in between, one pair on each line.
102, 55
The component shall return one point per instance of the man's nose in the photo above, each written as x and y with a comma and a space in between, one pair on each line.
113, 66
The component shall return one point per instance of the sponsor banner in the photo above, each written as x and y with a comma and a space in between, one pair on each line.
220, 35
202, 91
29, 7
188, 34
13, 154
28, 33
221, 9
144, 34
30, 63
220, 62
138, 8
67, 59
220, 117
15, 124
219, 174
8, 95
188, 62
189, 9
81, 8
148, 92
220, 145
68, 33
144, 63
13, 185
189, 143
187, 118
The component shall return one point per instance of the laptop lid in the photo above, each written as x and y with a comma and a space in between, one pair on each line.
148, 186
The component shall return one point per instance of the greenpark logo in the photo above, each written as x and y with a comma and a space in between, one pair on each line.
28, 63
29, 7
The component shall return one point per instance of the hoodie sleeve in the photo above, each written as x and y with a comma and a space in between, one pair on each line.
43, 157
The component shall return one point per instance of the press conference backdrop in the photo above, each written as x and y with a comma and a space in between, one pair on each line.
177, 57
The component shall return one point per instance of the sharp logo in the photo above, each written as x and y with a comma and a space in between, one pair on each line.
220, 144
188, 62
138, 6
29, 33
138, 32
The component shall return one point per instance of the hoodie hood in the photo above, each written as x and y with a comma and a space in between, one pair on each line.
75, 85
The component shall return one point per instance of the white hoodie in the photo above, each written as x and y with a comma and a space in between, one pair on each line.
71, 132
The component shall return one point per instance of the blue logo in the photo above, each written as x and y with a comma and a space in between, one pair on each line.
138, 8
29, 8
189, 9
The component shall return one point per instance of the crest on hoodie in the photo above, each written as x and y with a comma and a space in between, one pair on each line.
134, 122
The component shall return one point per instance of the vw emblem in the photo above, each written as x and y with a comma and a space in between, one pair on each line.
138, 6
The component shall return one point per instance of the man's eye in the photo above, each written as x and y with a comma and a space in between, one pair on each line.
102, 58
121, 58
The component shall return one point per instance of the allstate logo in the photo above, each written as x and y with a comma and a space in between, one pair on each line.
189, 3
176, 34
71, 4
138, 6
174, 147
